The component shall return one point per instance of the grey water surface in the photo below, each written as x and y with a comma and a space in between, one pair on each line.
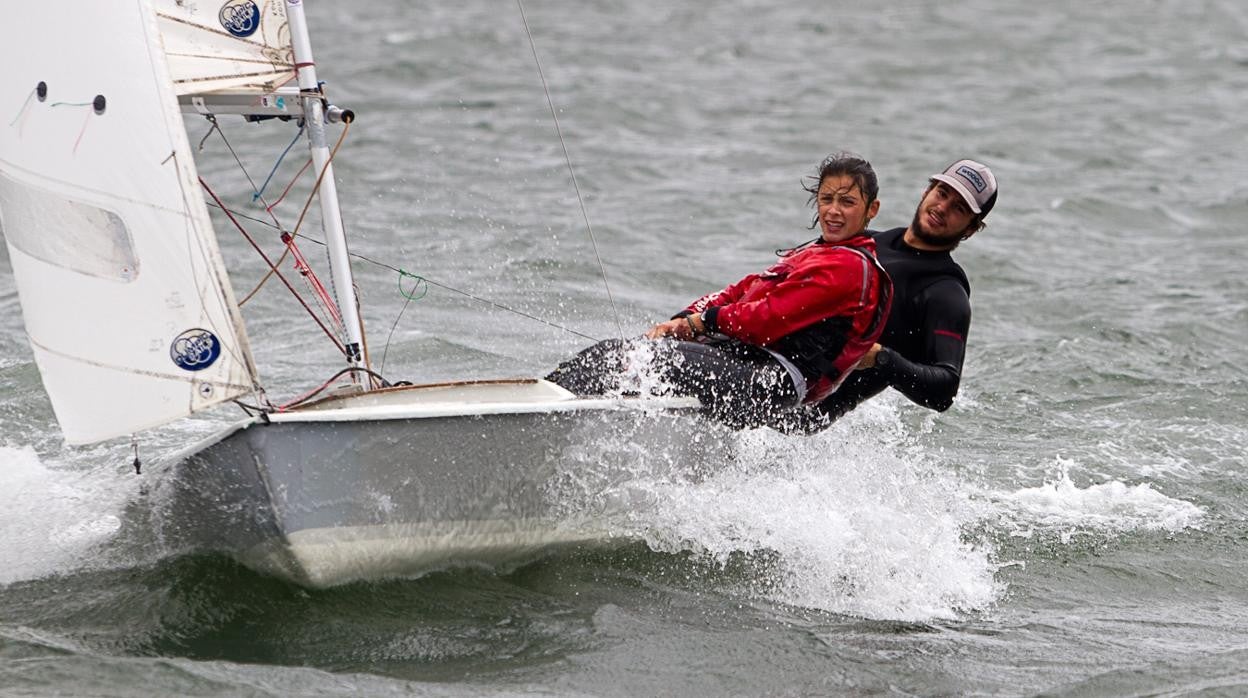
1074, 525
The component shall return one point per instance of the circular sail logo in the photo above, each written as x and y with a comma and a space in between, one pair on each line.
195, 350
240, 17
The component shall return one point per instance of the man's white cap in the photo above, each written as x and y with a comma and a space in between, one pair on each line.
974, 181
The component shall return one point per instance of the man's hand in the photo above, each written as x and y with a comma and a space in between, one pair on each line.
868, 359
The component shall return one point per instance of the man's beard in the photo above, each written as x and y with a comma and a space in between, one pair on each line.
916, 226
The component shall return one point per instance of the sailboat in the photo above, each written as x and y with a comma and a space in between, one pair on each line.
134, 323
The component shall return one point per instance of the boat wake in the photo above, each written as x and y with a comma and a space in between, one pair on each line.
862, 521
55, 520
843, 521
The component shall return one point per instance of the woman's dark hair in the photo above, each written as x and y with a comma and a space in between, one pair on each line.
848, 165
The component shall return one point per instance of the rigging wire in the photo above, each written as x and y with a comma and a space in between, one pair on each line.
402, 273
491, 303
266, 259
256, 195
305, 271
217, 127
409, 296
288, 238
568, 158
211, 129
309, 276
316, 188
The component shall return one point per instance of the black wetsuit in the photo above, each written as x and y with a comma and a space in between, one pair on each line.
924, 341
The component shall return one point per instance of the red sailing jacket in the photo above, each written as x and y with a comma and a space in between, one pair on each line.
821, 307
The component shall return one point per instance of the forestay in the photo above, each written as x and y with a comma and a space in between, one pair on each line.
125, 298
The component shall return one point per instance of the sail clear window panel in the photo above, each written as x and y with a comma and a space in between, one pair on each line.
66, 233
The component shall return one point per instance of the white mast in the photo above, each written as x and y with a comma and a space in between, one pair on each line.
331, 216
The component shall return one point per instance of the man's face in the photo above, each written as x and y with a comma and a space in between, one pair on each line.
942, 218
842, 208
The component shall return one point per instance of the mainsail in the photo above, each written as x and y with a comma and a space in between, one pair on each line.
124, 294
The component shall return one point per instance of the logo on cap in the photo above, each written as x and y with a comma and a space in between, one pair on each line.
973, 177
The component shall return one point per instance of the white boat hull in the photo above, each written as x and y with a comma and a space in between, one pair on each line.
409, 480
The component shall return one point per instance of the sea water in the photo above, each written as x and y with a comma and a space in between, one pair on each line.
1075, 524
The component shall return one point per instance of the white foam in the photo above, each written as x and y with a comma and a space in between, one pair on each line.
843, 522
641, 375
53, 518
1112, 506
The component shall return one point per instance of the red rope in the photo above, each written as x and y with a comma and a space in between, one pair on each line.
302, 398
305, 270
312, 393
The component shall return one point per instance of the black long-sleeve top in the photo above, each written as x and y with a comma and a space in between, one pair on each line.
924, 341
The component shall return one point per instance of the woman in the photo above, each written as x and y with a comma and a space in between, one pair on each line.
785, 336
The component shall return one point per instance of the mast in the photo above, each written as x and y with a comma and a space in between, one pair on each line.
331, 216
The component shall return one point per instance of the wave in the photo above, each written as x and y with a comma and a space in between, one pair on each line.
1115, 507
54, 518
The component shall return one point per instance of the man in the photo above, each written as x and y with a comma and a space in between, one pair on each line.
777, 338
921, 350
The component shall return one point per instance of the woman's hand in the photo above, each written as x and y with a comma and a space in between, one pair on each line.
687, 328
678, 328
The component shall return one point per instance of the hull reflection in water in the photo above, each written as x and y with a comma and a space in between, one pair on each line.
406, 480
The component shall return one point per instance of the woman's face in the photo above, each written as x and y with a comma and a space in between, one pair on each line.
843, 210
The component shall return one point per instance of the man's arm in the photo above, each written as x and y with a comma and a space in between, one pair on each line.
932, 379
